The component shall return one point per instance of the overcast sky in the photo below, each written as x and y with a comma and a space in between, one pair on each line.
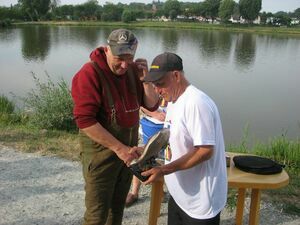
267, 5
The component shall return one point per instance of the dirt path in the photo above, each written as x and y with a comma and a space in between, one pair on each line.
47, 190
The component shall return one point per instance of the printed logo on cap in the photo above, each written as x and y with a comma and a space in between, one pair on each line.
122, 37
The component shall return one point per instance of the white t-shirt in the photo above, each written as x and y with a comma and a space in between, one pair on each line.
194, 120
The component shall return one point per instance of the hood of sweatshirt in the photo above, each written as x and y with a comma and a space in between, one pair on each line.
99, 57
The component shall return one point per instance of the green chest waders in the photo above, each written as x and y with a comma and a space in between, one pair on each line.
107, 178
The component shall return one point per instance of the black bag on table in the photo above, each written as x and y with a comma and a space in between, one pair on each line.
256, 164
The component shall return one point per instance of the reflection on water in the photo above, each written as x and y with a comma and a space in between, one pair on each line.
253, 78
169, 40
35, 43
37, 40
245, 50
214, 44
8, 35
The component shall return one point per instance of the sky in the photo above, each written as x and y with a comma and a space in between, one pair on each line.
267, 5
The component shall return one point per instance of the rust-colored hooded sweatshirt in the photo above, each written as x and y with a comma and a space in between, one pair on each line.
90, 95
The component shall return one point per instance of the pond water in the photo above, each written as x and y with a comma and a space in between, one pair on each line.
253, 78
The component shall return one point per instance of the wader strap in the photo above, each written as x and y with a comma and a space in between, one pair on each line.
132, 81
108, 90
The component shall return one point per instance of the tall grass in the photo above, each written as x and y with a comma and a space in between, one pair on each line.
6, 106
280, 149
50, 105
8, 114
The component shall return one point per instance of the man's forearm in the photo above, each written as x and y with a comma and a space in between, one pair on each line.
189, 160
100, 135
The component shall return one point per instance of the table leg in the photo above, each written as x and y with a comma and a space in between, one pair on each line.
156, 197
254, 207
240, 206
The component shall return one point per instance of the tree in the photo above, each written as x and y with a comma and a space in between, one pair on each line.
11, 13
297, 13
54, 4
282, 18
263, 17
4, 13
236, 12
211, 8
199, 9
173, 14
136, 6
172, 8
128, 16
35, 8
64, 11
159, 13
188, 8
90, 8
111, 12
226, 9
249, 9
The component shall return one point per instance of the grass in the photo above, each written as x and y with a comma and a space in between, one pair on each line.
176, 25
8, 113
44, 142
6, 106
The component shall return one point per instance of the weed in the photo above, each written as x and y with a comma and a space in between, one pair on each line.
50, 105
6, 106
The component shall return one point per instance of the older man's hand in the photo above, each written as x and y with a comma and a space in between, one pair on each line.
142, 66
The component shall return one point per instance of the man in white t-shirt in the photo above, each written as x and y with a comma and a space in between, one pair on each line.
195, 165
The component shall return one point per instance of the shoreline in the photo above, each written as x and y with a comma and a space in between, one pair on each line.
295, 31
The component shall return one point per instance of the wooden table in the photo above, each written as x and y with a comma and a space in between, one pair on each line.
236, 179
256, 183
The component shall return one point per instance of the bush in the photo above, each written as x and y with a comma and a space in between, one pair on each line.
5, 23
50, 105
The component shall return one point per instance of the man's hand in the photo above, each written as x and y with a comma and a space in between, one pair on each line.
154, 174
142, 66
130, 154
161, 116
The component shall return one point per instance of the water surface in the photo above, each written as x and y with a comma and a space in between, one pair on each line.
253, 78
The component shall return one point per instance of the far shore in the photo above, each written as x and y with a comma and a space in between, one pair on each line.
175, 25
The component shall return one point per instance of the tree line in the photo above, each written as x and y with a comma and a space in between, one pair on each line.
36, 10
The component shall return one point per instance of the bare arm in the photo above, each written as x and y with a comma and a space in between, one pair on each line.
189, 160
155, 114
100, 135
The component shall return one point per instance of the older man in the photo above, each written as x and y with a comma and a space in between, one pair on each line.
195, 166
107, 93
